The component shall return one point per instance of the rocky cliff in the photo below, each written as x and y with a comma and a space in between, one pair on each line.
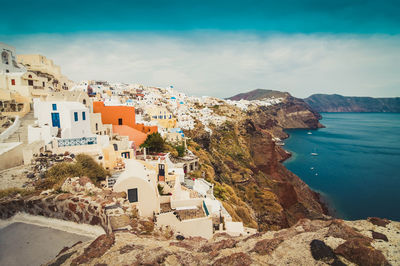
339, 103
242, 159
308, 242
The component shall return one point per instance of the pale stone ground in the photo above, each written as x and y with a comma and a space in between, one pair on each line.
14, 177
26, 244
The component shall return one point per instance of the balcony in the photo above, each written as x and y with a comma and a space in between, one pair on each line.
77, 142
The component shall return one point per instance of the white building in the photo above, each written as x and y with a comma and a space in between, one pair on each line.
8, 62
71, 118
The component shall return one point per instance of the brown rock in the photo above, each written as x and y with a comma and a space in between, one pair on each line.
152, 257
95, 221
84, 180
223, 244
236, 259
378, 221
129, 248
119, 221
339, 229
68, 215
63, 196
183, 244
96, 249
72, 207
359, 251
312, 225
266, 246
376, 235
52, 208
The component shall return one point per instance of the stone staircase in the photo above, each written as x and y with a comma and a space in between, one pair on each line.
21, 135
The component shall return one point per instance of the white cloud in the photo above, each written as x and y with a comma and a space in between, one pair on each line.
223, 64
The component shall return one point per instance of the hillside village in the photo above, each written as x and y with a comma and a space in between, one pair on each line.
167, 178
48, 118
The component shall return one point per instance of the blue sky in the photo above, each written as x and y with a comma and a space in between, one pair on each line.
217, 48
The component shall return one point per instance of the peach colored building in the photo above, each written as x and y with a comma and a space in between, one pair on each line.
121, 115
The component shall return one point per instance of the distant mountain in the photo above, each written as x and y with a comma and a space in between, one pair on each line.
258, 94
339, 103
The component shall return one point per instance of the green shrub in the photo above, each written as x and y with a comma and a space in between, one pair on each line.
181, 150
84, 166
154, 142
90, 168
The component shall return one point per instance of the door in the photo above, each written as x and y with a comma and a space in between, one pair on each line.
55, 119
161, 172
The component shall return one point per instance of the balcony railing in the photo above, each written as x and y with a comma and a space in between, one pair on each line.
77, 142
205, 209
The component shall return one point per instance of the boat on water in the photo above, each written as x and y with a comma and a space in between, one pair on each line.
309, 133
314, 154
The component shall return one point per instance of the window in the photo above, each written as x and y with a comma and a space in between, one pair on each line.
115, 147
30, 82
97, 127
76, 116
43, 84
120, 121
13, 82
133, 195
84, 101
54, 107
4, 57
83, 116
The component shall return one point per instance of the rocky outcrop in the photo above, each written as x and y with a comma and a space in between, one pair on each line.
308, 242
243, 160
339, 103
96, 249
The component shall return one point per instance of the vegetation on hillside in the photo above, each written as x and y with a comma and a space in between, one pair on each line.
83, 166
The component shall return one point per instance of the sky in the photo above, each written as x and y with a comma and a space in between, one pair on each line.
217, 48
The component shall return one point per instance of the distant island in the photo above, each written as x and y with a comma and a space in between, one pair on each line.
258, 94
339, 103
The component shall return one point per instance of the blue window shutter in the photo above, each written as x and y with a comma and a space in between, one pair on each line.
83, 116
54, 107
76, 116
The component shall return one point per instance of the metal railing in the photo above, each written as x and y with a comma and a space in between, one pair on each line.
77, 141
205, 208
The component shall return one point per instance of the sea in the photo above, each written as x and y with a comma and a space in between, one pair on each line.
354, 163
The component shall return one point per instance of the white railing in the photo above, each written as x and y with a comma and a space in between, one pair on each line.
77, 141
10, 130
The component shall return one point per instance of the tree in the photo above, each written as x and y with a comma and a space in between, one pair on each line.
181, 150
154, 142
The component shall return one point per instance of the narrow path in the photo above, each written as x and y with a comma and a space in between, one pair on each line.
21, 135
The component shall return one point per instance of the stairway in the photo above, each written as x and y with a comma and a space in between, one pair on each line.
21, 135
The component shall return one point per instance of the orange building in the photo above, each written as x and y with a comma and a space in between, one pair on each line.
121, 116
134, 135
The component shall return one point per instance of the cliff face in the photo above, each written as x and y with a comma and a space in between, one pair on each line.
338, 103
243, 161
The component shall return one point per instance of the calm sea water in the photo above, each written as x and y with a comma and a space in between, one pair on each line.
357, 168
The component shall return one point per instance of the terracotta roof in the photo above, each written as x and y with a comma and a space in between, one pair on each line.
134, 135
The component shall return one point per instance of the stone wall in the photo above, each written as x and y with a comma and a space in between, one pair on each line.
64, 206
